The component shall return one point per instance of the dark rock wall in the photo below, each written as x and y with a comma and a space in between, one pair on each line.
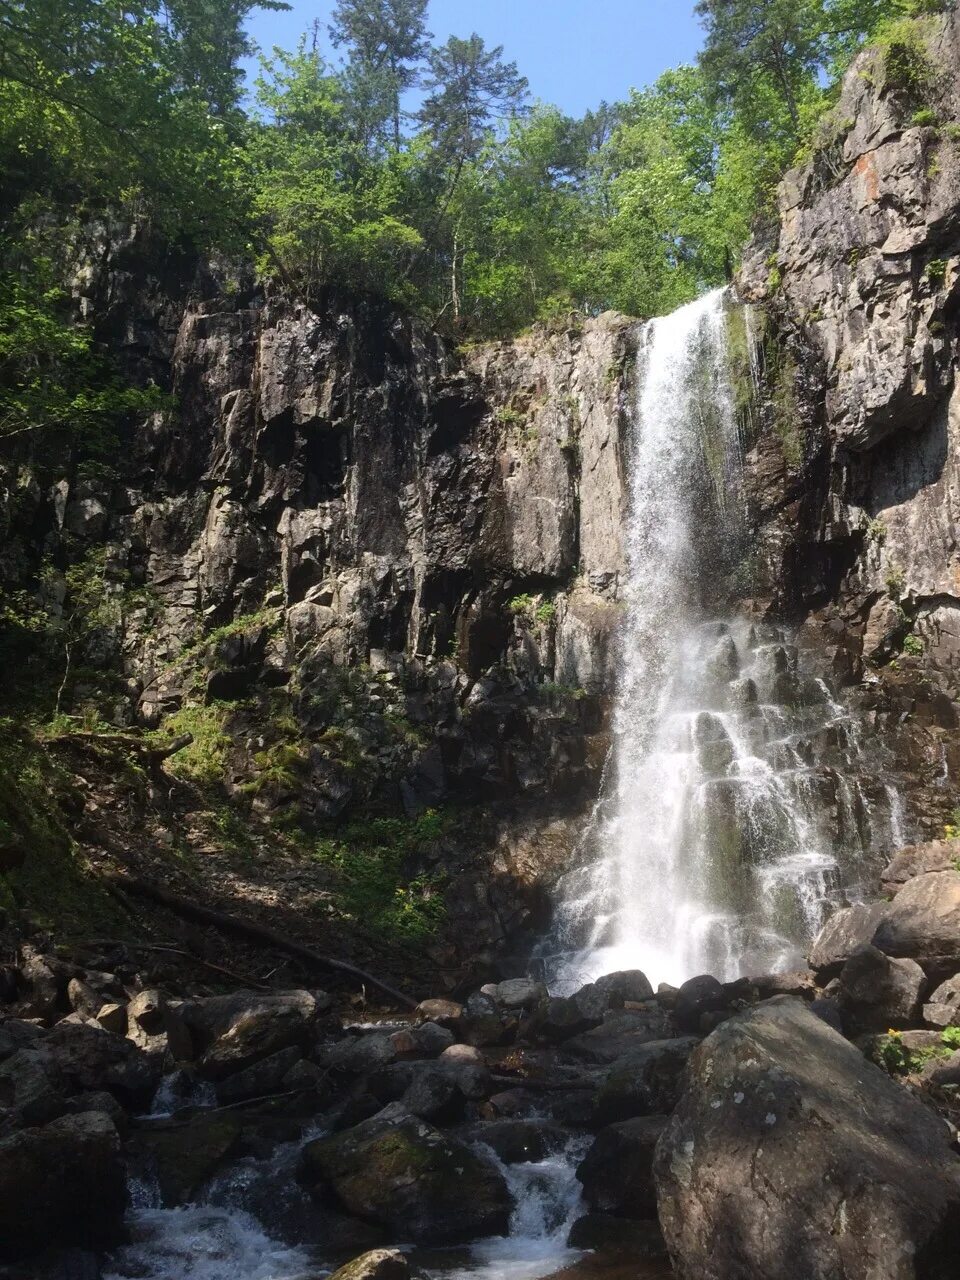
857, 294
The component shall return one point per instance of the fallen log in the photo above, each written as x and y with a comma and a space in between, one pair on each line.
248, 929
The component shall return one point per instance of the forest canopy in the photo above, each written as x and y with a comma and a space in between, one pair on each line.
372, 160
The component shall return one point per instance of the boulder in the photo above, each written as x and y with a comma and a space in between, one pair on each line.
30, 1091
434, 1095
264, 1077
45, 981
790, 1155
464, 1055
519, 1141
113, 1018
378, 1264
877, 992
446, 1013
482, 1022
425, 1041
626, 985
215, 1016
923, 922
82, 998
240, 1030
621, 1031
182, 1156
155, 1026
918, 860
943, 1005
696, 997
520, 993
16, 1034
646, 1081
63, 1184
613, 1238
77, 1056
563, 1017
358, 1054
617, 1171
800, 982
844, 933
943, 1071
398, 1170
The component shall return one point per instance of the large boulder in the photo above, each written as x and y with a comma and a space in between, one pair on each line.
844, 933
790, 1155
237, 1031
923, 922
75, 1057
877, 992
621, 1031
61, 1185
703, 995
617, 1172
397, 1170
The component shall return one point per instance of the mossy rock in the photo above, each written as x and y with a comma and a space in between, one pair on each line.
397, 1170
183, 1156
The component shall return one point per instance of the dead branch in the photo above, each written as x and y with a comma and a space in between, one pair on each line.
248, 929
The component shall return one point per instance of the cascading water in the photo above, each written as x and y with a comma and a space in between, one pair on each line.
732, 813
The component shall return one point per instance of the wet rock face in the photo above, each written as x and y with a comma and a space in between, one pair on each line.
789, 1155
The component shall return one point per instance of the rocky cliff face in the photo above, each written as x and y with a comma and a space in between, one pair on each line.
860, 289
385, 574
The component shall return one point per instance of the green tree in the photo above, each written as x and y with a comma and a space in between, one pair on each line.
387, 42
749, 41
468, 87
329, 212
135, 105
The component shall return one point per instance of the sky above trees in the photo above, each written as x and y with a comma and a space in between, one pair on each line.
574, 54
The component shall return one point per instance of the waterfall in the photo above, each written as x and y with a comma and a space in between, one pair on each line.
730, 819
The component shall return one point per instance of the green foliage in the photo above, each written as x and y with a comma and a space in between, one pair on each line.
379, 881
895, 580
925, 117
877, 531
51, 377
951, 830
545, 612
913, 645
521, 604
893, 1054
936, 271
205, 760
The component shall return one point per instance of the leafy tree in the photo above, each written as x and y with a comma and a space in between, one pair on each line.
52, 379
108, 104
749, 41
329, 212
387, 42
519, 225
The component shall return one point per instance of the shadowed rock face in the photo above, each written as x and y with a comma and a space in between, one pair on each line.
789, 1155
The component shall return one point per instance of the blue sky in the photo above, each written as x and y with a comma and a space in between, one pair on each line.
573, 52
